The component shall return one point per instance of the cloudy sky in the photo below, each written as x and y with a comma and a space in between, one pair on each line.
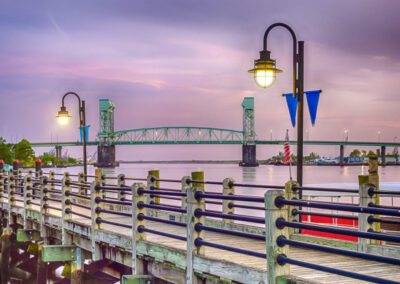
185, 62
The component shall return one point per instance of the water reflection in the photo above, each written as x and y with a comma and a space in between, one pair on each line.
248, 174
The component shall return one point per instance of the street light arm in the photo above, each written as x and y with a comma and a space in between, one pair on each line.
80, 105
284, 26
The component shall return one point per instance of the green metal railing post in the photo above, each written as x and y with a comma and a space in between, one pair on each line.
291, 193
227, 208
96, 215
272, 213
44, 202
121, 183
66, 208
28, 192
152, 182
11, 196
81, 180
185, 185
137, 199
363, 225
2, 183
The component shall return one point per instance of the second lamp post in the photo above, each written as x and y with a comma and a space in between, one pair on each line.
265, 73
63, 118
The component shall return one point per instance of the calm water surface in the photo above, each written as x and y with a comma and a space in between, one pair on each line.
265, 174
323, 176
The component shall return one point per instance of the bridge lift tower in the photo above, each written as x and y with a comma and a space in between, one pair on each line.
249, 158
105, 151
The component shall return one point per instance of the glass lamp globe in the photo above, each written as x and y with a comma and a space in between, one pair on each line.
264, 70
63, 117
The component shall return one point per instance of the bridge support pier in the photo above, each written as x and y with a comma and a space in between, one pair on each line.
341, 155
383, 155
249, 158
106, 156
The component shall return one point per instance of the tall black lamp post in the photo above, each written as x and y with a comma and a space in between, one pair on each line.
265, 73
63, 118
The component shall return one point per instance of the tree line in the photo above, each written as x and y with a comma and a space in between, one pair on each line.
23, 152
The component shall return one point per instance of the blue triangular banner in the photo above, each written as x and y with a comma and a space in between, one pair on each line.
312, 100
86, 133
292, 106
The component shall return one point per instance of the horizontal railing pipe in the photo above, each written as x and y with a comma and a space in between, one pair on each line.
112, 188
258, 186
229, 197
325, 189
280, 201
199, 213
282, 241
142, 229
371, 219
101, 220
161, 192
200, 242
280, 223
198, 227
296, 212
165, 208
144, 217
282, 259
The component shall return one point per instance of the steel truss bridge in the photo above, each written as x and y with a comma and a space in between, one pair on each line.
187, 135
108, 138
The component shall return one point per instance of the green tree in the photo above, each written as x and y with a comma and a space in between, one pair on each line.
5, 151
355, 154
396, 154
48, 159
23, 152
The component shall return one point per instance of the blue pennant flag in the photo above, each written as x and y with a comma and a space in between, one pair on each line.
86, 133
292, 106
312, 100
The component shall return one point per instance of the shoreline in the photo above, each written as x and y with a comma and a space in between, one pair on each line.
236, 162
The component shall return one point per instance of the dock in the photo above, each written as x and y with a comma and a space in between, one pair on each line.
86, 222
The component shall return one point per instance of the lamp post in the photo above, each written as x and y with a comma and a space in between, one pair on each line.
346, 135
63, 118
265, 73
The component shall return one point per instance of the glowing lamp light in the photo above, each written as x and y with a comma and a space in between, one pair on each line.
63, 117
264, 70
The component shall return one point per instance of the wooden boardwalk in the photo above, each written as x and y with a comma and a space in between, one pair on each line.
248, 263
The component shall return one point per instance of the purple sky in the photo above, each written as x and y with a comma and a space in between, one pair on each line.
184, 63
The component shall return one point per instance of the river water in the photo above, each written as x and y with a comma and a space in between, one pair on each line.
265, 174
320, 176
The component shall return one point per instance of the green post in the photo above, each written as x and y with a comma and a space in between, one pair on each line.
293, 194
2, 179
96, 215
198, 204
66, 208
227, 208
153, 174
121, 194
5, 255
41, 268
373, 178
44, 210
28, 192
272, 213
137, 264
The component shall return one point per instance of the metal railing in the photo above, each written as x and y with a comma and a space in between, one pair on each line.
138, 204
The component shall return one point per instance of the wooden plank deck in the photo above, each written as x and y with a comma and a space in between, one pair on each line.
366, 267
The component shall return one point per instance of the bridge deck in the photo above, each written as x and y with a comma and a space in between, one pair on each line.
250, 263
